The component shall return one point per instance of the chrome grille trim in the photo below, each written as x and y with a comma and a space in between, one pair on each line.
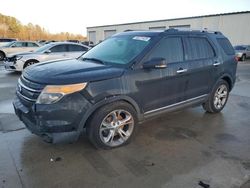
29, 89
28, 99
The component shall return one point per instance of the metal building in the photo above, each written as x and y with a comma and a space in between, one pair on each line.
235, 25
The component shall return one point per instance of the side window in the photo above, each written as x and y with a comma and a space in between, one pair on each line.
198, 48
59, 48
31, 44
20, 44
76, 48
169, 48
226, 46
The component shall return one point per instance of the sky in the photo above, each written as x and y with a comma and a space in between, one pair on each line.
75, 15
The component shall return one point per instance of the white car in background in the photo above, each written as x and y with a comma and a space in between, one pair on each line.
17, 46
4, 41
51, 51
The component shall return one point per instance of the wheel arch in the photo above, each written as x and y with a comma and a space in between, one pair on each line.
109, 100
26, 62
229, 80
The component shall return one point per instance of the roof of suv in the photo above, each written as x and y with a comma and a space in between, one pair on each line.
168, 31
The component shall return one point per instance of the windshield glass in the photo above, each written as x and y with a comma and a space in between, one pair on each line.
8, 44
43, 48
118, 50
239, 47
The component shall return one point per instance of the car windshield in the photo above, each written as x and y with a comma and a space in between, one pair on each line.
8, 44
239, 47
44, 48
117, 50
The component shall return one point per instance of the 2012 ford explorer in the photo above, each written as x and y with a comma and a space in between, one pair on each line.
123, 81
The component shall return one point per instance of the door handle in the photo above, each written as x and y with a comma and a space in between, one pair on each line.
216, 64
181, 71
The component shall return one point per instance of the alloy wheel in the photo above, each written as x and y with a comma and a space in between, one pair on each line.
220, 97
116, 127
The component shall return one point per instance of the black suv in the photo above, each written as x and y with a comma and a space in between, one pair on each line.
124, 80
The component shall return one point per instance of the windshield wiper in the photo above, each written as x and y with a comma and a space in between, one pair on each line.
93, 59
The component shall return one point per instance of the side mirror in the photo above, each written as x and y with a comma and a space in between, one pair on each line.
155, 63
47, 52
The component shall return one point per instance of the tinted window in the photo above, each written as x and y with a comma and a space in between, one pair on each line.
76, 48
20, 44
59, 48
31, 44
198, 48
226, 46
169, 48
240, 48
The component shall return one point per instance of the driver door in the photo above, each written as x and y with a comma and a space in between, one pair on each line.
161, 88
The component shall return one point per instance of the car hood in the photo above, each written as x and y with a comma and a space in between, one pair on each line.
70, 71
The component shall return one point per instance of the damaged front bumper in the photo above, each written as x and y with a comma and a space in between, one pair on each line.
55, 123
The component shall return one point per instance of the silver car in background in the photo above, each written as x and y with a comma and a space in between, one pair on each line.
17, 47
242, 52
52, 51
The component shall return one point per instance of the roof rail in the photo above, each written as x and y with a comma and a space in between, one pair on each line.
189, 29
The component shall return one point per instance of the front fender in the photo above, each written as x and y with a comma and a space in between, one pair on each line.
109, 100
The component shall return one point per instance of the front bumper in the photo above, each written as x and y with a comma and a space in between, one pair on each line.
55, 123
16, 65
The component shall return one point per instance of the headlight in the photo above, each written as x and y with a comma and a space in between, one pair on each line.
53, 93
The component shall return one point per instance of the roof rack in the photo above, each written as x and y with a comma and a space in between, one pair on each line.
188, 29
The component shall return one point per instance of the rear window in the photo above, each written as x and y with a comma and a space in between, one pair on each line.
226, 46
198, 48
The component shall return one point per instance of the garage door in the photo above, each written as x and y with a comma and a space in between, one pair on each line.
92, 36
109, 33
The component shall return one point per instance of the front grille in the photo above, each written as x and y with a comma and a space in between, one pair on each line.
28, 91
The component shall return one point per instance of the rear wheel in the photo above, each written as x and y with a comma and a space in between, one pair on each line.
243, 58
112, 126
218, 98
2, 56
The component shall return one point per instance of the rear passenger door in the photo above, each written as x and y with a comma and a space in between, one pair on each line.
201, 60
75, 50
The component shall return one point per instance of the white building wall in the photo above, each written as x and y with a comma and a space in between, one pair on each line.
235, 26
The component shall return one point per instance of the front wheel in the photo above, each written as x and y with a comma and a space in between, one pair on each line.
112, 125
29, 63
2, 56
218, 98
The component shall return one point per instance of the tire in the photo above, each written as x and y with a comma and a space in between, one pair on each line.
112, 126
218, 97
2, 56
29, 62
243, 58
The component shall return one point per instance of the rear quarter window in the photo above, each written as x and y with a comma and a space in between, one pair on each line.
226, 46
